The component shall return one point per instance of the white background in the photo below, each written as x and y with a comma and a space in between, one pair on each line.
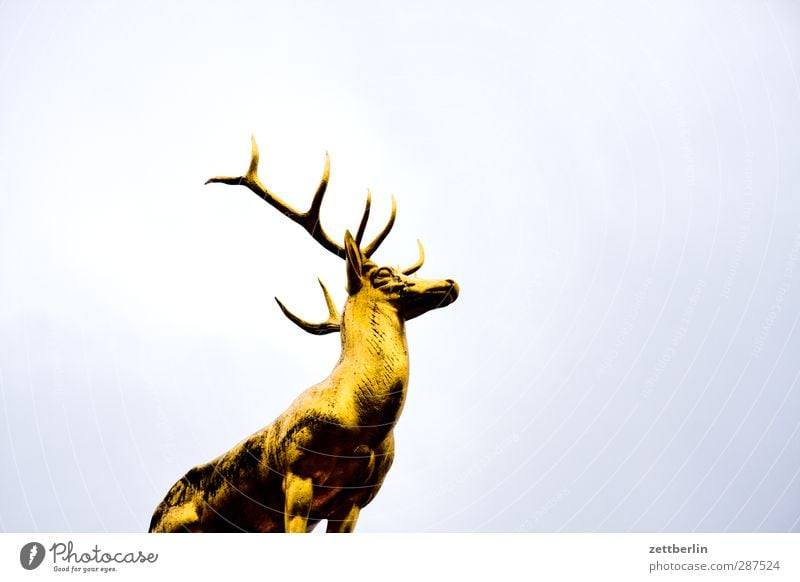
613, 185
624, 557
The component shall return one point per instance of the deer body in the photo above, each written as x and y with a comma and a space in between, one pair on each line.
326, 456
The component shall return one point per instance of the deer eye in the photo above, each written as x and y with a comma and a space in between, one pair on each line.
382, 276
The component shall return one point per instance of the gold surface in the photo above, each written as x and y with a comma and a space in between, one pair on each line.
327, 455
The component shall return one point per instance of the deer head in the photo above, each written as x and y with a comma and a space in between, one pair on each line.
408, 296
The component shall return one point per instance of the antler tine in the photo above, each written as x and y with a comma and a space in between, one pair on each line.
416, 266
376, 242
329, 326
364, 219
308, 220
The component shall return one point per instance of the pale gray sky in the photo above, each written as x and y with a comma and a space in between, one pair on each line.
614, 186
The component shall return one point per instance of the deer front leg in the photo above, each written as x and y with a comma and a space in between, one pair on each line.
299, 493
343, 522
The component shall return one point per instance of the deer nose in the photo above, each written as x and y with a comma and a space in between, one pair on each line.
453, 288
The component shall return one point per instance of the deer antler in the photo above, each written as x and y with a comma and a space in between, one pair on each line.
416, 266
331, 325
309, 220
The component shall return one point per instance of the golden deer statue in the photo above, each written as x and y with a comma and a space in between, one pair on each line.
327, 455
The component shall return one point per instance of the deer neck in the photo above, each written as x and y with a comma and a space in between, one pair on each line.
374, 362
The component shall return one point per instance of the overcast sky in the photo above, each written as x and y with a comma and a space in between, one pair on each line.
615, 186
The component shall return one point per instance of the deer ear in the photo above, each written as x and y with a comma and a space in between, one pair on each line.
354, 264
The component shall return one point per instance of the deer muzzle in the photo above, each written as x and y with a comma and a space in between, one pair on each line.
426, 294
